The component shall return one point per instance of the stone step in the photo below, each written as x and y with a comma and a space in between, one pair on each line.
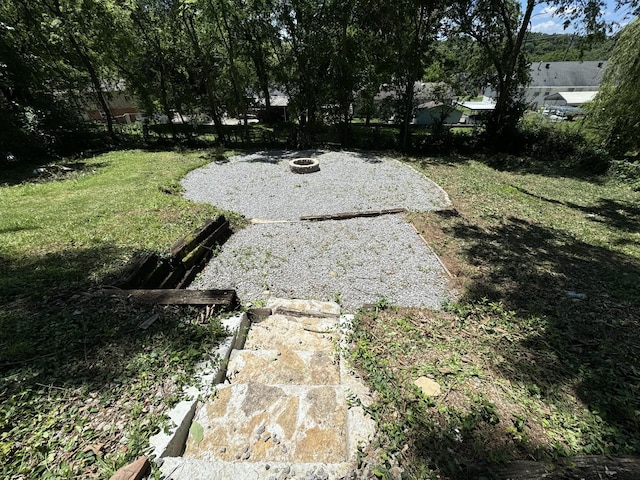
278, 332
178, 468
284, 367
287, 409
260, 423
303, 308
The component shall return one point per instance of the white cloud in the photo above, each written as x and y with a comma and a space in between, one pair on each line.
549, 26
548, 11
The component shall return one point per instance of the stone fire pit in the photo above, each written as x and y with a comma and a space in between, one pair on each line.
304, 165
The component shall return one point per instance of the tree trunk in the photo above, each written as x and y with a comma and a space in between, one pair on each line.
165, 102
214, 109
502, 120
263, 80
405, 141
97, 86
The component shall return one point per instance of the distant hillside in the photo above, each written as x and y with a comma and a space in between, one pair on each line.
558, 47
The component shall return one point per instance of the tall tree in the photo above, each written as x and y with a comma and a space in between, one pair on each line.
258, 31
410, 28
497, 28
83, 29
306, 31
151, 60
616, 106
39, 86
500, 30
206, 63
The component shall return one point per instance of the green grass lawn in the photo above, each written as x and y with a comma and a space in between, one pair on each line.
540, 356
81, 387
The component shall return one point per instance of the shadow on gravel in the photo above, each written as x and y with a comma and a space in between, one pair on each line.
277, 156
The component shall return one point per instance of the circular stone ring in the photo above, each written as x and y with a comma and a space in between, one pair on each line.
304, 165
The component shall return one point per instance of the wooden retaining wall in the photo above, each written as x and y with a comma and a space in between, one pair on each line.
187, 257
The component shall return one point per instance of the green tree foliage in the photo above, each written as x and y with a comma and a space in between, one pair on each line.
34, 116
152, 66
562, 47
193, 57
497, 28
615, 108
407, 32
83, 31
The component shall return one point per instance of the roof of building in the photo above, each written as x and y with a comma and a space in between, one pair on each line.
573, 98
484, 105
429, 105
279, 101
569, 74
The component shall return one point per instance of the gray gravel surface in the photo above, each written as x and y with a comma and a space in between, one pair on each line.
262, 185
353, 262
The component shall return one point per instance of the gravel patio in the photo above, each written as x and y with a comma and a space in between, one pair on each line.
354, 262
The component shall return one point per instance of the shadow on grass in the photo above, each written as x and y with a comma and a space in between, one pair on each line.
39, 171
554, 168
549, 323
623, 216
58, 327
587, 301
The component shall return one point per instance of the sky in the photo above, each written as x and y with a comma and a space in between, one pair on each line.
545, 20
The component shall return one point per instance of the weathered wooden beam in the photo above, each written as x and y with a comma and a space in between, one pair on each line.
190, 275
593, 467
155, 278
222, 298
218, 236
347, 215
173, 278
184, 245
139, 270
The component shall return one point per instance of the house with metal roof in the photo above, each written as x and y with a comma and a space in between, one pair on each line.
570, 99
570, 80
433, 113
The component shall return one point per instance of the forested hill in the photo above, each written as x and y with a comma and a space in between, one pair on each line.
558, 47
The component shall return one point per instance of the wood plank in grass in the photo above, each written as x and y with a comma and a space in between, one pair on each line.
186, 244
223, 298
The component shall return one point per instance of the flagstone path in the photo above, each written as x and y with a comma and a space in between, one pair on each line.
289, 407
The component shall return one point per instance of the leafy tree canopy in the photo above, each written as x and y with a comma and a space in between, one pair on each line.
616, 107
561, 47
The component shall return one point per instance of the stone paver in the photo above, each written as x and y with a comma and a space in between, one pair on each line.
283, 412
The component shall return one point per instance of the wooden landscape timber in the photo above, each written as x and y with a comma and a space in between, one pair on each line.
187, 257
224, 299
139, 270
347, 215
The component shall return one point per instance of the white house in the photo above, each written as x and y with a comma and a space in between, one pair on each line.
574, 82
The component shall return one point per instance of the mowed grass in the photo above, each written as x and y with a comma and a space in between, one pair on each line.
81, 386
115, 204
540, 356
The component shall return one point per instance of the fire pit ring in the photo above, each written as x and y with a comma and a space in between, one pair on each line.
304, 165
